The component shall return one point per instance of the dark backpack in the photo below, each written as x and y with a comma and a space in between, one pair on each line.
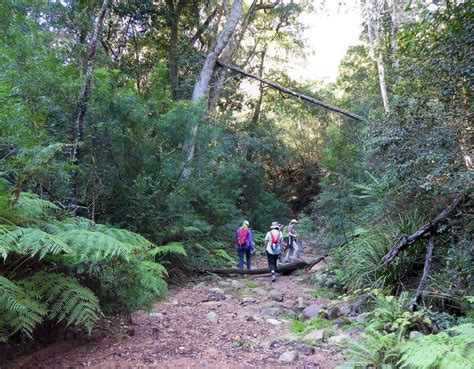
242, 236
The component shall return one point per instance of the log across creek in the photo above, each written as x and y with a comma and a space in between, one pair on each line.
283, 269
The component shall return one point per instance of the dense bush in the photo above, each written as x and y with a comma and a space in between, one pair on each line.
70, 269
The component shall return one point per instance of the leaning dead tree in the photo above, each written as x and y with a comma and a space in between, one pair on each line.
427, 230
285, 269
291, 92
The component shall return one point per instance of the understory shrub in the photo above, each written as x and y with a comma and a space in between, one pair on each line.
69, 269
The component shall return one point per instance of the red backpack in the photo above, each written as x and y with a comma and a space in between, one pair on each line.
275, 239
242, 236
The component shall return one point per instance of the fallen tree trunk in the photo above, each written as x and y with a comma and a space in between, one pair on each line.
406, 241
285, 269
426, 272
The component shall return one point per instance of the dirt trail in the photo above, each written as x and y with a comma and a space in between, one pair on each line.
218, 323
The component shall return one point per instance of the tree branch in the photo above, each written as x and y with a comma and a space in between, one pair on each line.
406, 241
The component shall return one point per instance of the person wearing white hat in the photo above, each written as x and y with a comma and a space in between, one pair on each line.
292, 250
273, 240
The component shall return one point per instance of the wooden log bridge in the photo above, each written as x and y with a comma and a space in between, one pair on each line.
284, 269
288, 91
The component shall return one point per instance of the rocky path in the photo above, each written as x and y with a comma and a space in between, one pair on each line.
215, 323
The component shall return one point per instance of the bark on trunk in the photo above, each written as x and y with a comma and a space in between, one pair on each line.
175, 10
426, 272
285, 269
374, 30
258, 106
76, 154
202, 84
425, 230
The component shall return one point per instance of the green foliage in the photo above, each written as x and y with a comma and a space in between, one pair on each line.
360, 259
109, 268
376, 349
304, 327
391, 314
446, 350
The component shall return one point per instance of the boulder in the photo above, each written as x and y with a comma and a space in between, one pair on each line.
276, 295
212, 317
415, 335
330, 283
216, 290
269, 312
316, 336
345, 311
339, 338
333, 313
260, 291
311, 311
237, 285
273, 321
288, 357
301, 303
305, 349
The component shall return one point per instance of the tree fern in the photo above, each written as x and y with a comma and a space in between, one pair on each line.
65, 297
441, 350
176, 248
30, 205
94, 246
70, 224
31, 241
125, 236
18, 311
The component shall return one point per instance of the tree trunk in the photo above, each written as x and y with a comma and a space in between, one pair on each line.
202, 84
374, 31
426, 272
173, 23
258, 106
285, 269
76, 154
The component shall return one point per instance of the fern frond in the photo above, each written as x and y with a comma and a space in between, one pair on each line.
152, 277
65, 298
70, 224
18, 312
176, 248
125, 236
29, 205
441, 350
31, 241
464, 331
94, 246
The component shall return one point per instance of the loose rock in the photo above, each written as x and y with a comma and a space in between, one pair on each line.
301, 303
268, 312
333, 313
311, 311
305, 349
212, 317
317, 336
273, 321
260, 291
276, 295
288, 357
415, 334
345, 311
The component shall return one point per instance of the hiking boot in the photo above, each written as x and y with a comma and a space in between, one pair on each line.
274, 278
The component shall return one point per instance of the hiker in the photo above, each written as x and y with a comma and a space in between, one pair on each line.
292, 248
244, 243
283, 245
273, 241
